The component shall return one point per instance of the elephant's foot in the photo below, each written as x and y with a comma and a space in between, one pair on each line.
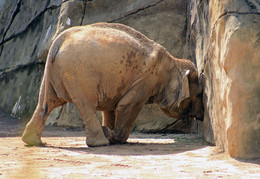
93, 142
31, 138
112, 137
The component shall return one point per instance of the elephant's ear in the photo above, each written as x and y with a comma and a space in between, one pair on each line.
184, 92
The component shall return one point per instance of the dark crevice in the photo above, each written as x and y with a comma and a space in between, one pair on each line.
250, 4
137, 11
4, 72
83, 15
185, 31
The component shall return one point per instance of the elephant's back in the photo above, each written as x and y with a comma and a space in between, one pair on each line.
126, 30
111, 34
104, 43
108, 58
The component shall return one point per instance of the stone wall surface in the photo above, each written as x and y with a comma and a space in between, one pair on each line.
225, 39
221, 37
25, 27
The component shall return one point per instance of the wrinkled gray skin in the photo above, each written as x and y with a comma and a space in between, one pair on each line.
117, 70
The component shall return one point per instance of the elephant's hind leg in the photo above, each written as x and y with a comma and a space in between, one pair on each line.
94, 132
33, 131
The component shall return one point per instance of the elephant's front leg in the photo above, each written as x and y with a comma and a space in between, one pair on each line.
126, 113
126, 116
108, 124
108, 119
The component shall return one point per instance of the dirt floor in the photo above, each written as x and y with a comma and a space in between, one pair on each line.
144, 156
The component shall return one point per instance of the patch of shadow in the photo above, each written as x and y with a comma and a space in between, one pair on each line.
140, 147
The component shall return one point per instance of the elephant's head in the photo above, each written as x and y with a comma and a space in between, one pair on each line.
196, 108
183, 98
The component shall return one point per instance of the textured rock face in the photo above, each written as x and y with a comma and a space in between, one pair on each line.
25, 27
226, 45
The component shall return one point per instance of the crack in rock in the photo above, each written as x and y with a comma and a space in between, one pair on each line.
6, 71
216, 21
17, 9
84, 11
51, 7
232, 13
137, 11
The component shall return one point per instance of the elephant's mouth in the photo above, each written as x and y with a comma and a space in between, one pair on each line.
196, 112
192, 112
196, 108
196, 117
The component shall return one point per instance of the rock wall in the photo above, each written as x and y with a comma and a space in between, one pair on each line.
225, 38
221, 37
25, 27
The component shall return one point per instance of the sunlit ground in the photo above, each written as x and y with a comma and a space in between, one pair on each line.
144, 156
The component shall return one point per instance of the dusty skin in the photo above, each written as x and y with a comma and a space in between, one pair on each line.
144, 156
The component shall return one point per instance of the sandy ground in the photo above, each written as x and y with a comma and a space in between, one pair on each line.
144, 156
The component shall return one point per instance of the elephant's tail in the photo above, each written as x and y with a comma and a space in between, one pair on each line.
50, 58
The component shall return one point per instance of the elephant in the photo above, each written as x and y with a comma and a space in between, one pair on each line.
115, 69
